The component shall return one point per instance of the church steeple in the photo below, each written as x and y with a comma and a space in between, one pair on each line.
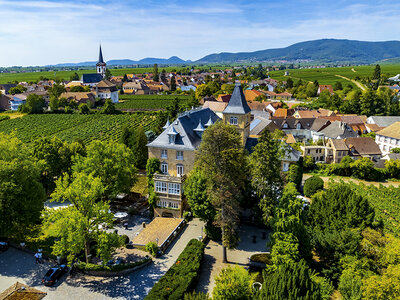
101, 66
101, 61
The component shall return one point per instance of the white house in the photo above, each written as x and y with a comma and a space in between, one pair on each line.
17, 100
388, 138
107, 90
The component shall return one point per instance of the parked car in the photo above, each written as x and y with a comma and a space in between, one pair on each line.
3, 246
54, 274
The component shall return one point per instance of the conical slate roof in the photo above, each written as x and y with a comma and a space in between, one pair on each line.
166, 125
101, 61
237, 104
199, 127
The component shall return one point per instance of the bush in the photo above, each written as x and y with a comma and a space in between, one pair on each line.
312, 185
152, 248
196, 296
233, 283
182, 276
114, 268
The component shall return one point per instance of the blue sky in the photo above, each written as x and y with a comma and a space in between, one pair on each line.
50, 32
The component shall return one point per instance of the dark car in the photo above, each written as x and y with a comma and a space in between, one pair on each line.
54, 274
3, 246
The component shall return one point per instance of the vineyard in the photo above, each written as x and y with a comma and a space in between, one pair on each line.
74, 126
148, 101
386, 202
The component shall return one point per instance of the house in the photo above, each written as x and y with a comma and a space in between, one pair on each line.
283, 113
136, 87
20, 291
259, 125
291, 156
175, 148
17, 100
273, 106
4, 88
5, 102
363, 147
299, 128
107, 90
313, 113
383, 121
356, 123
224, 98
79, 97
318, 153
337, 149
216, 107
251, 95
324, 87
338, 130
391, 156
188, 88
388, 138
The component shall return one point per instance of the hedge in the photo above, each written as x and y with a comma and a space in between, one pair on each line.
182, 276
312, 185
114, 268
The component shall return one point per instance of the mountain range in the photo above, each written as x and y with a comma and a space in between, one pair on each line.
329, 51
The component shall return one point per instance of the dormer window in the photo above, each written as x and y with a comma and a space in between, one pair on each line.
233, 120
298, 126
199, 129
172, 133
285, 125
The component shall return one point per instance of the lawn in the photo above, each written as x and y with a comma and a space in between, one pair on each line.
141, 186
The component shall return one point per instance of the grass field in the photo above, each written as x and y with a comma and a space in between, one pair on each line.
327, 75
72, 127
65, 75
147, 101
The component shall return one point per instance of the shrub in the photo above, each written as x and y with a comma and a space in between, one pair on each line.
182, 276
3, 118
196, 296
114, 268
312, 185
152, 248
233, 283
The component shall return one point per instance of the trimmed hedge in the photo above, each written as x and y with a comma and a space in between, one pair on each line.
312, 185
182, 276
114, 268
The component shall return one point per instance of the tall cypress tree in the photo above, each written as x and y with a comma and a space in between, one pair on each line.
155, 73
140, 149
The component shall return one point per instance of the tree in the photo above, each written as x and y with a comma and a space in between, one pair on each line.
77, 226
22, 195
152, 167
337, 86
79, 88
107, 74
197, 196
84, 109
385, 286
265, 170
163, 76
56, 90
289, 281
363, 168
155, 73
173, 83
221, 156
313, 185
233, 283
54, 103
109, 108
128, 137
295, 174
17, 89
74, 77
371, 104
112, 162
377, 72
34, 104
140, 151
289, 83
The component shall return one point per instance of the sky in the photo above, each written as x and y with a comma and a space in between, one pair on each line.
58, 31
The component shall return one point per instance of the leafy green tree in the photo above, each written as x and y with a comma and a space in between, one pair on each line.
19, 89
84, 109
56, 90
22, 195
370, 104
377, 72
295, 174
109, 108
77, 226
233, 283
385, 286
363, 168
152, 248
337, 86
289, 281
155, 73
140, 151
173, 83
54, 103
221, 156
197, 196
265, 170
163, 77
313, 185
74, 77
289, 83
107, 74
128, 137
34, 104
112, 162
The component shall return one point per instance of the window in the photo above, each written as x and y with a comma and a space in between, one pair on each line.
179, 155
233, 120
164, 168
179, 170
162, 203
285, 125
174, 188
308, 151
164, 153
298, 126
161, 187
172, 205
172, 139
285, 167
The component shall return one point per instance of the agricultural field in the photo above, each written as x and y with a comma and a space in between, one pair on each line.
70, 127
328, 75
385, 201
148, 101
65, 75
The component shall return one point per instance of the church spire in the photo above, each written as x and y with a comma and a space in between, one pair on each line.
101, 56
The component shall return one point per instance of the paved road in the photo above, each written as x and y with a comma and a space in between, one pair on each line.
17, 265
